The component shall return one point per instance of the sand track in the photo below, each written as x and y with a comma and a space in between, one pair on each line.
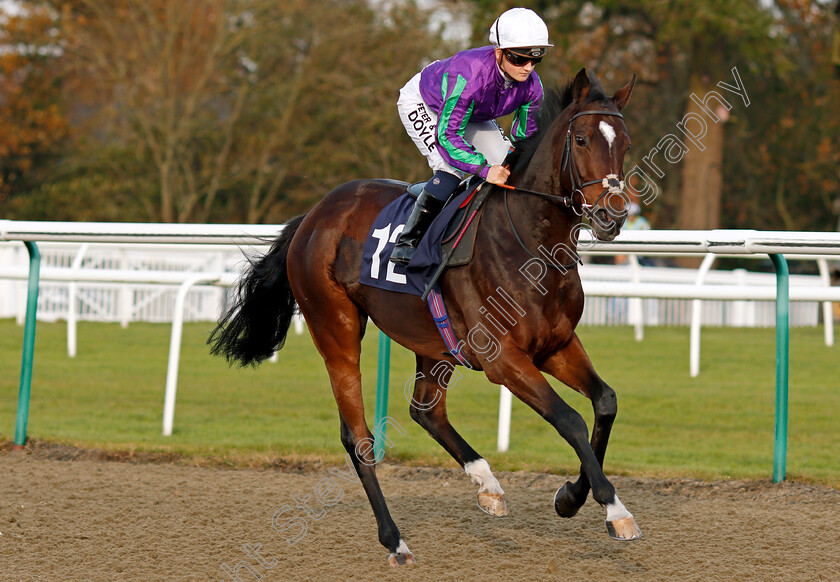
67, 514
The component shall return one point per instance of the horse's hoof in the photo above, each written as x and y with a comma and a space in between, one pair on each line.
397, 559
493, 504
564, 503
624, 529
402, 557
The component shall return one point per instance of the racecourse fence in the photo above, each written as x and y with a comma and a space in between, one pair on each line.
124, 302
171, 267
110, 301
654, 311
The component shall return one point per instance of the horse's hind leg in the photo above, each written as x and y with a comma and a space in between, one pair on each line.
337, 333
572, 366
428, 409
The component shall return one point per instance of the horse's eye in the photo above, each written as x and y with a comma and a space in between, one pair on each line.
629, 145
580, 140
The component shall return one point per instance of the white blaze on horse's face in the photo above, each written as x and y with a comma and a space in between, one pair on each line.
608, 131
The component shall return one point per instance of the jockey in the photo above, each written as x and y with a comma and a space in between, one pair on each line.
450, 107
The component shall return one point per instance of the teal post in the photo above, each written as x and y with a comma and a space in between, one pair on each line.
28, 345
782, 352
382, 374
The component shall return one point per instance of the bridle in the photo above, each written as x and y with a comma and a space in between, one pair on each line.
611, 182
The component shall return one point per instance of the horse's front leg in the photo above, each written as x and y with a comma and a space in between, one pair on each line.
572, 366
428, 409
522, 377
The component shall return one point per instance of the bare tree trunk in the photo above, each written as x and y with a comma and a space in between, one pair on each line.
702, 173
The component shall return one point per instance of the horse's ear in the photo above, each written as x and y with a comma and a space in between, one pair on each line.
622, 96
580, 86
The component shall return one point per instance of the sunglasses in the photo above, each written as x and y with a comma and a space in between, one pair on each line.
519, 60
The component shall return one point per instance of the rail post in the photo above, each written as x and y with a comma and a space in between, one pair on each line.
782, 353
382, 377
28, 345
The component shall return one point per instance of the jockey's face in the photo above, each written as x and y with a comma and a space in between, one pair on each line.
516, 72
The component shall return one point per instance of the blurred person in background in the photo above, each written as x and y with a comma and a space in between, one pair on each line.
635, 221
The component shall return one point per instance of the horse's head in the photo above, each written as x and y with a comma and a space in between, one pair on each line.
592, 160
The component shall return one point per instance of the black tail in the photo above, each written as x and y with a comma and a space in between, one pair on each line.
256, 324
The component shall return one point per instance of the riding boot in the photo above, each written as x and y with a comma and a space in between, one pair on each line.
424, 212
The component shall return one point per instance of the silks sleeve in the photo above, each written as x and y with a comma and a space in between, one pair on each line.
457, 109
525, 118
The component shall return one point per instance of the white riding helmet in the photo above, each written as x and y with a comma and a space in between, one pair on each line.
520, 28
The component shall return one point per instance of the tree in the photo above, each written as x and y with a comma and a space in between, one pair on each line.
244, 110
171, 82
251, 110
786, 174
689, 48
32, 122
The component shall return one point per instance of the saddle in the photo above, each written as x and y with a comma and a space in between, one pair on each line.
460, 229
448, 242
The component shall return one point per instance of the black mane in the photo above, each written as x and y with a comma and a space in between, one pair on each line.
555, 101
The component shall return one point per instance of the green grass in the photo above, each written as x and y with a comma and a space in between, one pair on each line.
719, 425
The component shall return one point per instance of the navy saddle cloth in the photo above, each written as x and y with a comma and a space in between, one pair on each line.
378, 271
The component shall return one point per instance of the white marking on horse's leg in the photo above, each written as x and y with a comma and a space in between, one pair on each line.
403, 551
621, 525
479, 473
402, 548
608, 131
616, 510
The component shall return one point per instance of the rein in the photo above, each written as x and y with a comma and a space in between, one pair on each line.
562, 268
611, 183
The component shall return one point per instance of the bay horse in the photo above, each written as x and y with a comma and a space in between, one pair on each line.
571, 167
